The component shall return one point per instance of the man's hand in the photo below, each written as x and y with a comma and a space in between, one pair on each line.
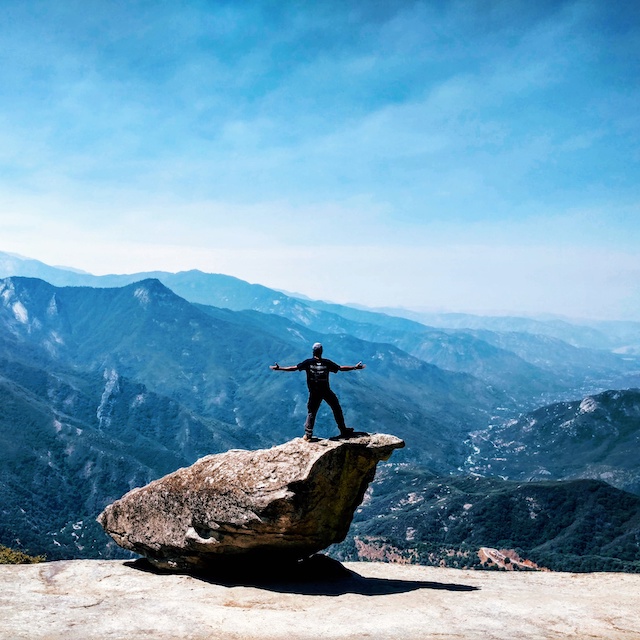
275, 366
359, 366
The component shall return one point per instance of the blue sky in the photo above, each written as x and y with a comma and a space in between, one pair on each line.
467, 156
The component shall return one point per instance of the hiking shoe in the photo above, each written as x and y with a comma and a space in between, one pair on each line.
347, 432
307, 438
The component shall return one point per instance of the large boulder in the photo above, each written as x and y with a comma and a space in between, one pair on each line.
248, 507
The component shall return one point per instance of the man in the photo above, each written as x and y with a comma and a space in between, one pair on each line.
318, 370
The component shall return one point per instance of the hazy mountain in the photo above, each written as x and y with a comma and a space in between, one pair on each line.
228, 292
74, 432
619, 336
215, 361
510, 365
104, 389
596, 437
413, 515
579, 369
12, 264
211, 289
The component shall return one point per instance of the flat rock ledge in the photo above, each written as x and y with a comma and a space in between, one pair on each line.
110, 600
243, 508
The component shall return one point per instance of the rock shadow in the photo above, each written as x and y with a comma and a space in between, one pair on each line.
318, 575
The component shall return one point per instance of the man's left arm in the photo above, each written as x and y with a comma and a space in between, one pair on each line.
352, 367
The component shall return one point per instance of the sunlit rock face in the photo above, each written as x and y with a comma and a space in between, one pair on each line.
264, 506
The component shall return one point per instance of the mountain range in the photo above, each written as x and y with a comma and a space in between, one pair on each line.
105, 389
596, 437
412, 515
107, 382
534, 362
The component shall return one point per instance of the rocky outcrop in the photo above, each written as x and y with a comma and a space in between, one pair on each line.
265, 506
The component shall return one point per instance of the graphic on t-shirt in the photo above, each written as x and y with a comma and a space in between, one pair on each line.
319, 372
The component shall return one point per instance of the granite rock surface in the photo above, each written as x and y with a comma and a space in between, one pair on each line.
255, 508
100, 600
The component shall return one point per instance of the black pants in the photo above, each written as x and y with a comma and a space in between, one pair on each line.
316, 396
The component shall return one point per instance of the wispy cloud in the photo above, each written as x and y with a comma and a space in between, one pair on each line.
403, 130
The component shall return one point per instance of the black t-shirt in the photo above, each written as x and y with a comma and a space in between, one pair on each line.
318, 370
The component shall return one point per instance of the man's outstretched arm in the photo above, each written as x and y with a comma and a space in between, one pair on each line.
277, 367
347, 367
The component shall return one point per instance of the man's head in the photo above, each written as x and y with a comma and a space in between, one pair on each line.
317, 349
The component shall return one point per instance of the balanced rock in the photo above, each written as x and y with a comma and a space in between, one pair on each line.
269, 505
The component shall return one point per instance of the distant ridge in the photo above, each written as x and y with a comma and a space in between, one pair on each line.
492, 356
229, 292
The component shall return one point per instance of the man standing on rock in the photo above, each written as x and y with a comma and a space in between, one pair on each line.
318, 370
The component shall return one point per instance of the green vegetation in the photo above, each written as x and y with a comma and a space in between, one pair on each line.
11, 556
583, 525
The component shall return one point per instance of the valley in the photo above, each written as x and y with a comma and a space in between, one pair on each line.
109, 382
